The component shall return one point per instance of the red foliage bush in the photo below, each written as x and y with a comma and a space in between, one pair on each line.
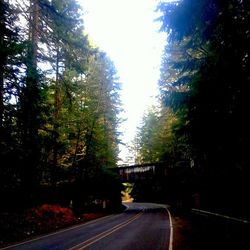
47, 217
53, 212
43, 219
92, 216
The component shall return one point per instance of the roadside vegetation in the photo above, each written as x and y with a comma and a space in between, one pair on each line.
59, 107
40, 220
202, 116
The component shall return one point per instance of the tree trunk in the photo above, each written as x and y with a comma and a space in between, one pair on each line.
56, 124
30, 106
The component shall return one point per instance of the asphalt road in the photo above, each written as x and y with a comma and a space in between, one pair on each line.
141, 226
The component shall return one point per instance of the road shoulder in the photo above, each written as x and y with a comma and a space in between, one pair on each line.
195, 232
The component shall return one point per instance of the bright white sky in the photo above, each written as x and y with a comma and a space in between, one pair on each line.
127, 32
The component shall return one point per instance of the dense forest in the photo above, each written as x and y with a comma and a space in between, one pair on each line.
60, 106
59, 109
60, 114
201, 125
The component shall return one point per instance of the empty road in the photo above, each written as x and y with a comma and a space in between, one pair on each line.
141, 226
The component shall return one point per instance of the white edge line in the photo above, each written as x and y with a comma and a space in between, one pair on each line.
170, 247
57, 232
220, 215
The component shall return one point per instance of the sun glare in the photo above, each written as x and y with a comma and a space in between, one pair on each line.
126, 30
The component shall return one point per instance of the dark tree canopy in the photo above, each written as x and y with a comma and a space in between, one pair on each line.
204, 89
59, 107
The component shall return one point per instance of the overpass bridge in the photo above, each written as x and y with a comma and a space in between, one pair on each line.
159, 181
144, 171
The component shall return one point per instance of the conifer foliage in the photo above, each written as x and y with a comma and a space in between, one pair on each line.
59, 106
204, 89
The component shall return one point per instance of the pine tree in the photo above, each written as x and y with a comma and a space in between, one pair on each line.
11, 50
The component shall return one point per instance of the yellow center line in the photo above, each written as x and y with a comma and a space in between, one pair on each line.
104, 234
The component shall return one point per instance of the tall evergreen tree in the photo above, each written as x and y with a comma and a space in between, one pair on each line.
101, 109
30, 104
215, 34
59, 100
11, 51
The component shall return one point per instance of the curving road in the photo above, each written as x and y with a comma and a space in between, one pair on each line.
141, 226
